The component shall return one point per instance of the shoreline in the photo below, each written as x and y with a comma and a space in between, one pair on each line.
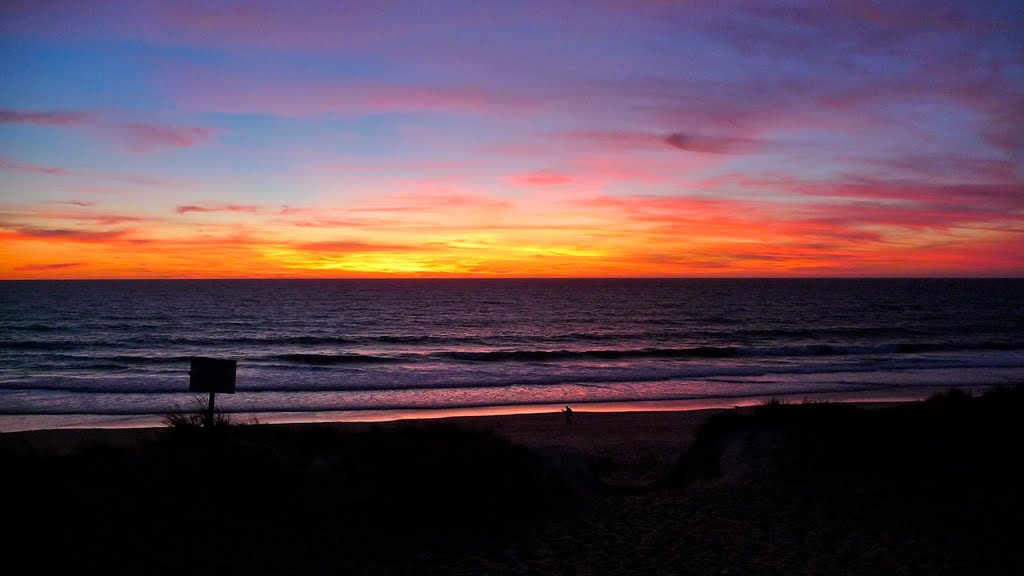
12, 423
16, 423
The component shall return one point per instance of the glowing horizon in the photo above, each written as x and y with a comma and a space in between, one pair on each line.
250, 140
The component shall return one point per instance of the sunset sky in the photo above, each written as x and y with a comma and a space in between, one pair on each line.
607, 138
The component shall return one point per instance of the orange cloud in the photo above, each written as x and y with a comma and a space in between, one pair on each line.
442, 230
350, 246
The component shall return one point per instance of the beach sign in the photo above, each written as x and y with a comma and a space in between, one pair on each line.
212, 375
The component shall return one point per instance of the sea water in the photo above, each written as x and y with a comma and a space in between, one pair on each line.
121, 349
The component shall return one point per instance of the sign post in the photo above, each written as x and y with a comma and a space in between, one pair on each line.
212, 375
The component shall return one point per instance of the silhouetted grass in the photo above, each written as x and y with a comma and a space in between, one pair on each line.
952, 434
929, 486
261, 497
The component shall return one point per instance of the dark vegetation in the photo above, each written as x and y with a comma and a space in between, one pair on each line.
950, 440
931, 487
273, 499
183, 420
923, 488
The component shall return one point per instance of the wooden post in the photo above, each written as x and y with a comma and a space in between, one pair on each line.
209, 412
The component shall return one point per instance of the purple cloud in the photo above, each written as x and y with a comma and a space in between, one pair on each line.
147, 138
703, 144
68, 234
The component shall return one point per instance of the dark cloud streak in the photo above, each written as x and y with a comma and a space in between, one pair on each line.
45, 267
147, 138
43, 118
69, 234
201, 209
702, 144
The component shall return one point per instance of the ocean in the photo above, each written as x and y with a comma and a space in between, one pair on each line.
118, 352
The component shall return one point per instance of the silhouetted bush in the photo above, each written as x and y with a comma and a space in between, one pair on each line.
195, 417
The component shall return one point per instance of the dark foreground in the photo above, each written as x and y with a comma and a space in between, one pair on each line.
923, 488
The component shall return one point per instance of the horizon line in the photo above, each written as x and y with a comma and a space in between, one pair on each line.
407, 278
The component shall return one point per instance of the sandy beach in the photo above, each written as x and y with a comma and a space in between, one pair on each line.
804, 488
638, 446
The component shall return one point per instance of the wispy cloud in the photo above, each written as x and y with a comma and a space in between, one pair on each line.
60, 217
8, 164
705, 144
47, 267
73, 235
541, 178
44, 170
43, 117
980, 197
204, 208
143, 137
148, 138
352, 246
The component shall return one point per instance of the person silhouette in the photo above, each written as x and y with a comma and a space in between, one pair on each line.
568, 415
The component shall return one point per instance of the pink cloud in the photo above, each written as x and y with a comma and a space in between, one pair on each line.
541, 178
838, 227
8, 164
141, 136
